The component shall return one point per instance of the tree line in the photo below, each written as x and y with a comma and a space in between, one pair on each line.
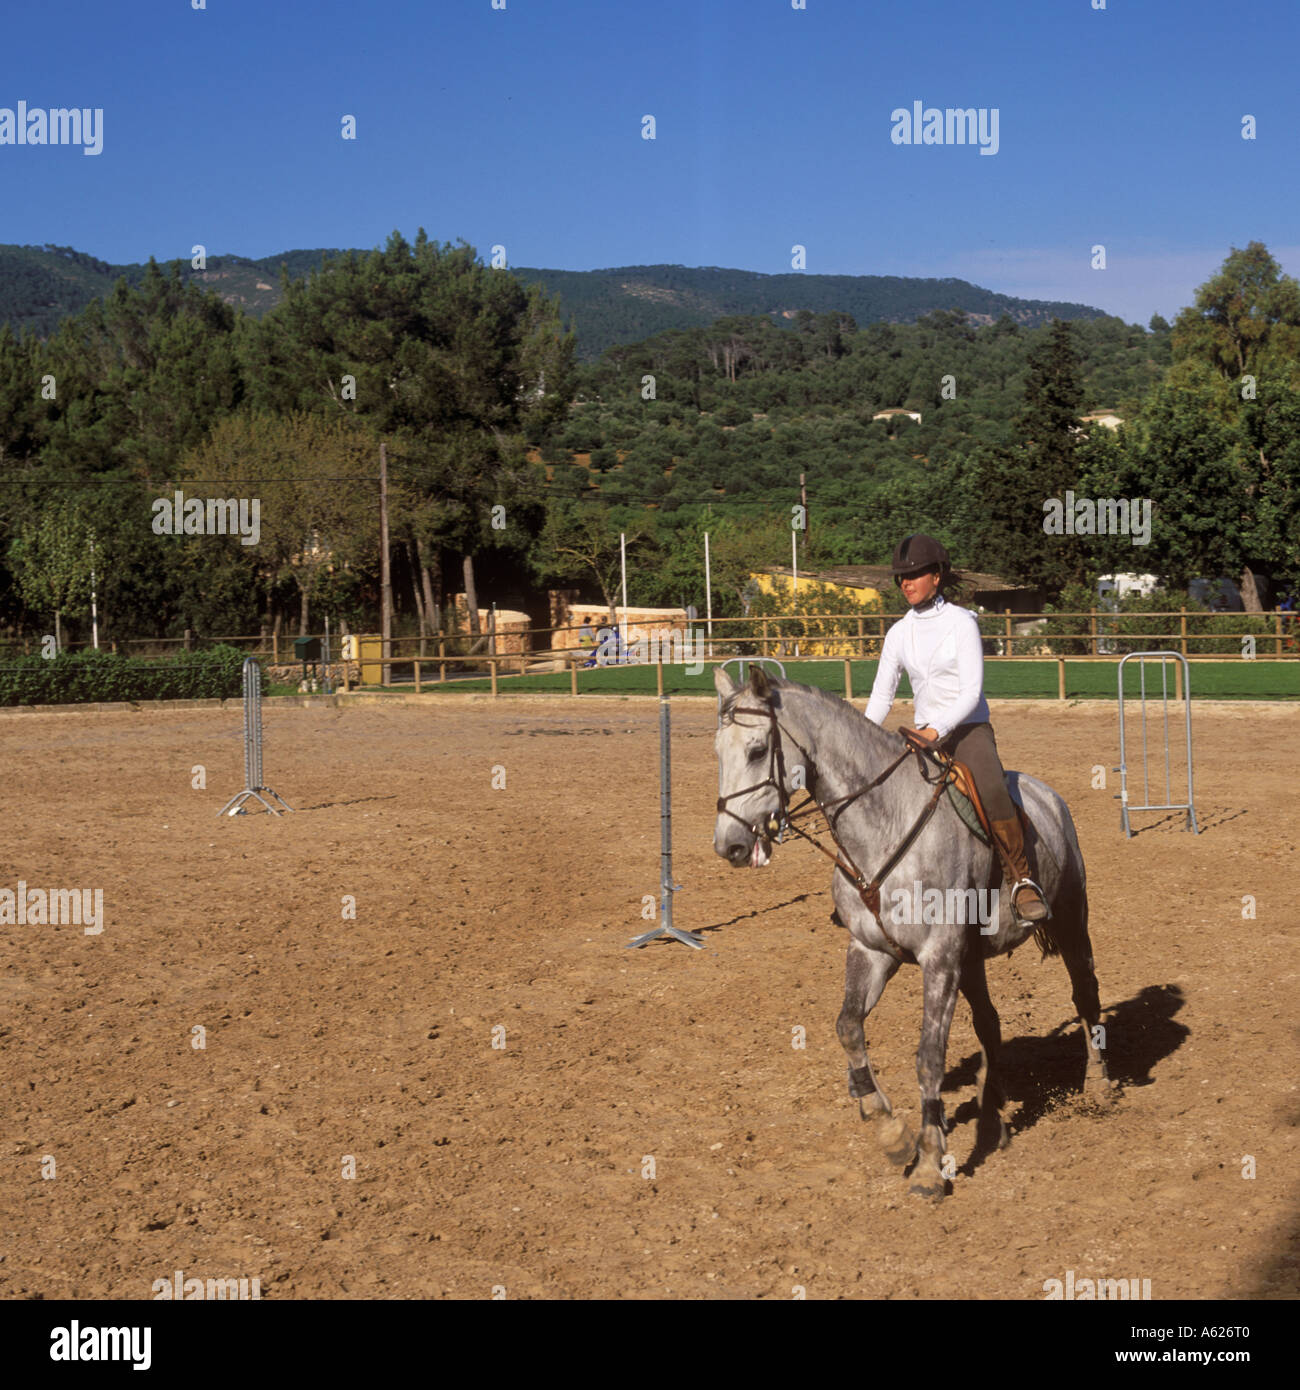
515, 467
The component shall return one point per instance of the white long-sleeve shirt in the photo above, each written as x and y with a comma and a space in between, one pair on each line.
941, 653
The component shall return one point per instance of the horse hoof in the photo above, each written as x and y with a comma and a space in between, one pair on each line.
897, 1140
872, 1108
929, 1186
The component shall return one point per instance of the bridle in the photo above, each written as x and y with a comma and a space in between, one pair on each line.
868, 890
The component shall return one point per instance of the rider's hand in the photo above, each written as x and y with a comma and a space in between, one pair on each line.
927, 733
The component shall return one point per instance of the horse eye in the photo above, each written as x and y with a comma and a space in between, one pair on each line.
757, 752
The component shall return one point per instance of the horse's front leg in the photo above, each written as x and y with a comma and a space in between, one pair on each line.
866, 973
941, 976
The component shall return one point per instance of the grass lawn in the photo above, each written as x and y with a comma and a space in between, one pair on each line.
1084, 680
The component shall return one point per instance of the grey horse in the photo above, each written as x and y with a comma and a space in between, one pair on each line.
774, 736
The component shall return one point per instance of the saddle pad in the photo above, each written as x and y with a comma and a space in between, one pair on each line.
962, 805
962, 791
964, 798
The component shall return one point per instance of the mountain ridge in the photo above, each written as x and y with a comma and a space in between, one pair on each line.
608, 306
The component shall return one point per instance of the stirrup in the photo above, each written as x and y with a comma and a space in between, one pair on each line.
1029, 883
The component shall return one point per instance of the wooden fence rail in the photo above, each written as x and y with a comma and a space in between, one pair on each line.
767, 633
572, 661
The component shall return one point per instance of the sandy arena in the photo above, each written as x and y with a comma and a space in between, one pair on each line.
522, 1167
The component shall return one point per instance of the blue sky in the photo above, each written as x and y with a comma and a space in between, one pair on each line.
522, 128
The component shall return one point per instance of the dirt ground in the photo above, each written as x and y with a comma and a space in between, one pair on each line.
644, 1127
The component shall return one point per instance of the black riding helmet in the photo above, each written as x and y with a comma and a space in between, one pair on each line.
917, 553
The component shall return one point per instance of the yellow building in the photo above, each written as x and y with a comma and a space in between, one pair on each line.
858, 584
864, 584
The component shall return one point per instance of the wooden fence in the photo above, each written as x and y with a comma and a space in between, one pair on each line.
771, 636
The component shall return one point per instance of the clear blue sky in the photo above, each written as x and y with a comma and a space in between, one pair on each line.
523, 127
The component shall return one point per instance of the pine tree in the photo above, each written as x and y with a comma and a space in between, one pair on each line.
1013, 483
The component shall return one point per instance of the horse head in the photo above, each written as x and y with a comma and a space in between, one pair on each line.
751, 793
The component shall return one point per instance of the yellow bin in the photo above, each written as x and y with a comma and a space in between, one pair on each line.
368, 649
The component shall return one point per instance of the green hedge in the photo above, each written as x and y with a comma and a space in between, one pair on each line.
90, 677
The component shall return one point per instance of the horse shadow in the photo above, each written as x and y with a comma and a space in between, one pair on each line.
1042, 1072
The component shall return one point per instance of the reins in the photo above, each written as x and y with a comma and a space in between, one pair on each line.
868, 891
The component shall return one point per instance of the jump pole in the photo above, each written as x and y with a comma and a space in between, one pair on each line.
252, 748
666, 889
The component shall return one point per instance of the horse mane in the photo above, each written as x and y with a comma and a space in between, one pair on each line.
856, 725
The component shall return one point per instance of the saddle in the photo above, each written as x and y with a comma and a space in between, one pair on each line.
962, 791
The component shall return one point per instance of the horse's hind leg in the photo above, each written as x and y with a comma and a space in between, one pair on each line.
866, 973
988, 1029
1071, 936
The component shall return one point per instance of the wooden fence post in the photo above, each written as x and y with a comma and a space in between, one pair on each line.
848, 678
442, 652
417, 675
492, 666
1277, 640
1182, 627
1060, 678
1092, 628
1008, 650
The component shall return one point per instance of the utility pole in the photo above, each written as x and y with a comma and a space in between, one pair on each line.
622, 557
708, 594
803, 501
94, 607
385, 575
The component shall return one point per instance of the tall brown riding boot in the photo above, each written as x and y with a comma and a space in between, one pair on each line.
1027, 900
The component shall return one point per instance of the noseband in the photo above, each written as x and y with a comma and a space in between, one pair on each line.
868, 891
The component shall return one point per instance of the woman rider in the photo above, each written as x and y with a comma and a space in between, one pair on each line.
938, 645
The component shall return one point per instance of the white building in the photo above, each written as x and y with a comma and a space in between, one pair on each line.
1121, 585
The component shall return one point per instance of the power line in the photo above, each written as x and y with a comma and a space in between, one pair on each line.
97, 479
548, 493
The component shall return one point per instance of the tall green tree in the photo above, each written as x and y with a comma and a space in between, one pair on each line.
1243, 315
580, 543
51, 559
1179, 455
1014, 482
1245, 326
312, 521
433, 349
1269, 470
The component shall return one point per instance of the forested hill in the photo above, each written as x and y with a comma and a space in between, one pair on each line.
627, 304
41, 285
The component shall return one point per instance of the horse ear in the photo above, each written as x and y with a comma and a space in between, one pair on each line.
722, 682
759, 683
